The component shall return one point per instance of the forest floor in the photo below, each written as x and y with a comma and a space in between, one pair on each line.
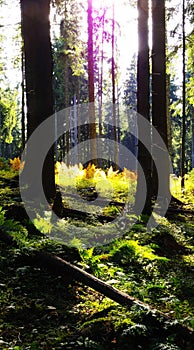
40, 311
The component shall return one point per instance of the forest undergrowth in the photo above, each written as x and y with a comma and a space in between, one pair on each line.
40, 311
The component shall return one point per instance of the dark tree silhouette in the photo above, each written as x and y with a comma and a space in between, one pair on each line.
143, 103
38, 75
159, 100
92, 125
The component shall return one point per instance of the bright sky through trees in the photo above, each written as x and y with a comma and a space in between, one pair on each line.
126, 30
10, 19
125, 16
126, 36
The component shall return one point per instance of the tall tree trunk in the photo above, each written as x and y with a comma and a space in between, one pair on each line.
143, 106
100, 87
168, 113
92, 125
159, 115
23, 102
184, 101
66, 137
101, 74
114, 91
38, 72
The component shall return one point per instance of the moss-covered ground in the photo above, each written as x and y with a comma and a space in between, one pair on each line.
40, 311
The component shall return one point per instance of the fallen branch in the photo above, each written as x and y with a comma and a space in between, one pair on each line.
58, 266
64, 268
61, 267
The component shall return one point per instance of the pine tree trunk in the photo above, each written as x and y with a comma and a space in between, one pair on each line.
101, 75
66, 137
38, 73
159, 115
183, 150
116, 156
143, 106
23, 124
92, 126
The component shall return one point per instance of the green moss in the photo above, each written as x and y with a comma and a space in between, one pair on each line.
130, 250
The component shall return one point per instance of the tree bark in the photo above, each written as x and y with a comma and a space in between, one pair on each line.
66, 65
38, 74
183, 148
23, 124
115, 134
159, 115
143, 105
92, 125
159, 118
